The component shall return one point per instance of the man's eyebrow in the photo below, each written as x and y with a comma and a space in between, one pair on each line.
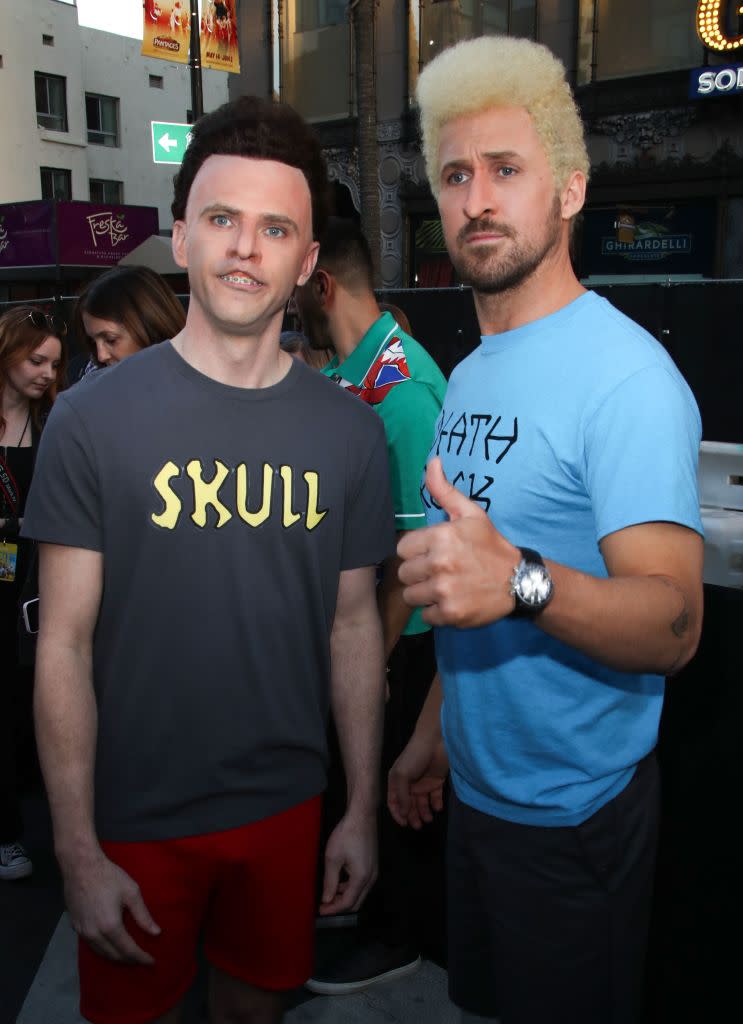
264, 218
502, 154
279, 218
464, 162
219, 208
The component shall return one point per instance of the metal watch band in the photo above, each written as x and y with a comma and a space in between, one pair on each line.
521, 610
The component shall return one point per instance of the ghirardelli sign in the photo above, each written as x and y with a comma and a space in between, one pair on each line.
108, 225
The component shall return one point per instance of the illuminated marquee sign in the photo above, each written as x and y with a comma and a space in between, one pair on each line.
711, 14
716, 81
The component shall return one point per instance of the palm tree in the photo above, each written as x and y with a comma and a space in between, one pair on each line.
363, 16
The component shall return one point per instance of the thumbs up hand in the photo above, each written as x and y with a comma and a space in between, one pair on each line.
459, 570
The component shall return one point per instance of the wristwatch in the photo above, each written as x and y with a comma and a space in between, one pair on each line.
531, 585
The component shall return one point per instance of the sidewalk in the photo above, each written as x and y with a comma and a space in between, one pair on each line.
419, 998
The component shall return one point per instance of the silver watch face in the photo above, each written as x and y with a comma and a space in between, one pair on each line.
532, 584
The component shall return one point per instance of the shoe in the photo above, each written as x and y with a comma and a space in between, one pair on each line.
362, 966
14, 862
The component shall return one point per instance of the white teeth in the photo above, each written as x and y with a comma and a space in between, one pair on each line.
238, 279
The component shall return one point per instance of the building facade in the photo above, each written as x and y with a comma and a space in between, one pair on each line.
76, 106
666, 193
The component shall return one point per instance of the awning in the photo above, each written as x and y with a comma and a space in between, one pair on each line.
156, 253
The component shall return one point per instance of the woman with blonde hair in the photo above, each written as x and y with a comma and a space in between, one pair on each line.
31, 369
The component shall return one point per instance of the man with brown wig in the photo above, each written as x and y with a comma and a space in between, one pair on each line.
190, 503
561, 566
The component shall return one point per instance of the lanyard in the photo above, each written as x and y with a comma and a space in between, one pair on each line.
8, 485
25, 428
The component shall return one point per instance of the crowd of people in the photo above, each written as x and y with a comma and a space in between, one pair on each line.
273, 565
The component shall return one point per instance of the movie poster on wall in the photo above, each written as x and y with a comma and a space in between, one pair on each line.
219, 48
166, 29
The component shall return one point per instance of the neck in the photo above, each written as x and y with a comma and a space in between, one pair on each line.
351, 319
552, 286
14, 404
242, 361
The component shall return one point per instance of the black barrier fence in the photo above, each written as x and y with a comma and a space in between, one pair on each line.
700, 323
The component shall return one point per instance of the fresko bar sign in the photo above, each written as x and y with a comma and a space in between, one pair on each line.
713, 18
720, 81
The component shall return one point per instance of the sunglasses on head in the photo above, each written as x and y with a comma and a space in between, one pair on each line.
48, 322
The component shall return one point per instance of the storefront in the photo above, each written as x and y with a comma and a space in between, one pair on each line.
50, 247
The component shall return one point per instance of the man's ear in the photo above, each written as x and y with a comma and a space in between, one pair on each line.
308, 264
573, 195
324, 286
178, 244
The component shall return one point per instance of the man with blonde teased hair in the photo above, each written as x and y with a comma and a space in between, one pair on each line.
561, 566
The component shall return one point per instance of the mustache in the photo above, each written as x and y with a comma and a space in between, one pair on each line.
483, 226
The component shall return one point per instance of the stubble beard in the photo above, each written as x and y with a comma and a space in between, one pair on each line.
316, 329
492, 274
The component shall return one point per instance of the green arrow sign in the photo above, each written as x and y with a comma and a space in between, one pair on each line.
169, 141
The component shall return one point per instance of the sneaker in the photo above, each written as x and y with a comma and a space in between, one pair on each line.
14, 862
362, 966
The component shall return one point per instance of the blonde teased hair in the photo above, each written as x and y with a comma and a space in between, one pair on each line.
502, 71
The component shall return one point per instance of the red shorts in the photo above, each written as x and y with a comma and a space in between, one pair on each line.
250, 892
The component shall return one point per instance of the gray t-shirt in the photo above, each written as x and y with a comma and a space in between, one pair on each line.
224, 516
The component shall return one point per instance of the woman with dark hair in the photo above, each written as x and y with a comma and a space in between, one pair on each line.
125, 310
31, 368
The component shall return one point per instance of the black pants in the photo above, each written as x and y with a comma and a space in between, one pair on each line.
406, 906
550, 924
16, 685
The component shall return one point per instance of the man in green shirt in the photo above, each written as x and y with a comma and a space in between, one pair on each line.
386, 368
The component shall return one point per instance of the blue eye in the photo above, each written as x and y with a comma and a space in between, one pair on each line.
506, 172
221, 220
457, 178
275, 232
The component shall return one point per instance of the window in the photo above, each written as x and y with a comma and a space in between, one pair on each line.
637, 37
106, 191
47, 40
56, 183
51, 101
156, 81
314, 14
102, 113
445, 22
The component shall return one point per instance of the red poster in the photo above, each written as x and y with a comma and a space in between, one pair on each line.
219, 49
167, 29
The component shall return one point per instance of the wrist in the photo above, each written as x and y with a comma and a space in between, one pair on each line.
77, 853
362, 811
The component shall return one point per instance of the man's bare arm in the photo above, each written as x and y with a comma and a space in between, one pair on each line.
70, 588
646, 617
415, 784
70, 584
357, 699
393, 610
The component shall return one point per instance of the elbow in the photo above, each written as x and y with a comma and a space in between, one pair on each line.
689, 647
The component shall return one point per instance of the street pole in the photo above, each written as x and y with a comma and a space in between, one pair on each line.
194, 63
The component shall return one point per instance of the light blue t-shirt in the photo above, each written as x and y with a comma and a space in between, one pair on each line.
564, 430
